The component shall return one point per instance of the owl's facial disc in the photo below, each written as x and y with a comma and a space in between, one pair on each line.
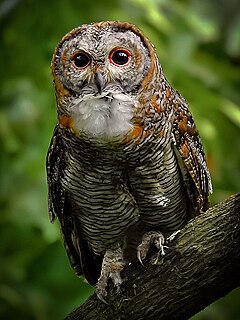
102, 60
98, 71
103, 74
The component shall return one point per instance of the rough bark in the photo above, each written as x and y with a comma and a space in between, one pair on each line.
201, 265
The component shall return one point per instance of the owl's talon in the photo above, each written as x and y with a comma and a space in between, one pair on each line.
112, 265
155, 238
139, 254
142, 251
101, 292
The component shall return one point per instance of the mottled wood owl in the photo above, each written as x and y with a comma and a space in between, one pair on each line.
126, 165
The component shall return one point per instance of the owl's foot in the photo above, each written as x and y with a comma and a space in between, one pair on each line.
112, 265
155, 238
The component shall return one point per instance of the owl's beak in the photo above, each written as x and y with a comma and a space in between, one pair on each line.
99, 81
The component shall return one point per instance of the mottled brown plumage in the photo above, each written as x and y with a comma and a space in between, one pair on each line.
126, 164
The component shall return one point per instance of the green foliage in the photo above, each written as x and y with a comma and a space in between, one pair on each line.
198, 43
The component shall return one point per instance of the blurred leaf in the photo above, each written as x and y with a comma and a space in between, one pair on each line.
232, 111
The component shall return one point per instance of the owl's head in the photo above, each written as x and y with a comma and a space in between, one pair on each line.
105, 60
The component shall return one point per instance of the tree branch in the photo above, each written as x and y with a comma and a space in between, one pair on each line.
201, 265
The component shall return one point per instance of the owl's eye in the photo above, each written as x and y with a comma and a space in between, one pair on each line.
120, 57
81, 60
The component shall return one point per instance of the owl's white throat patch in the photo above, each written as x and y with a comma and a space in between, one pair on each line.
108, 115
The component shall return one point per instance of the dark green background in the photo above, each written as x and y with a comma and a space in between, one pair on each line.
198, 43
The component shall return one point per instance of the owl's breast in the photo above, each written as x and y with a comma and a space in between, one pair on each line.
157, 187
155, 179
95, 182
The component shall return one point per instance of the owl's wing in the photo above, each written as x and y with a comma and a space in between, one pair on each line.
81, 259
191, 158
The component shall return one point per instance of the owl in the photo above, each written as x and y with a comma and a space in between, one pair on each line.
126, 165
